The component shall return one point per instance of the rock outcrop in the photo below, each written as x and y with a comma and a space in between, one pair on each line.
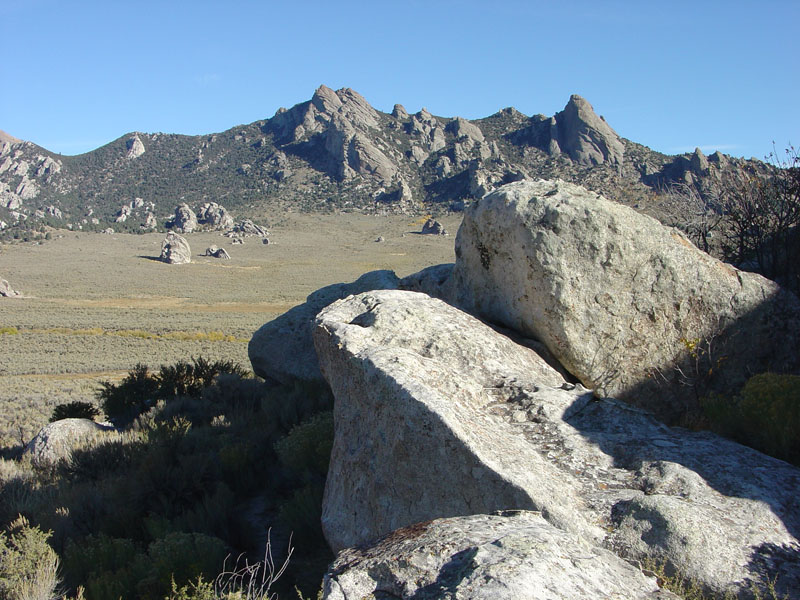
344, 122
184, 220
437, 415
134, 146
395, 357
214, 216
513, 555
283, 350
175, 249
58, 439
585, 137
624, 303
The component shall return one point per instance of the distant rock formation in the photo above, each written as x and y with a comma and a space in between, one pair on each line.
175, 249
214, 216
134, 146
355, 157
619, 299
184, 219
343, 120
584, 136
247, 228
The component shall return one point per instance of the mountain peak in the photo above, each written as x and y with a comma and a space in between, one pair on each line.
585, 136
8, 139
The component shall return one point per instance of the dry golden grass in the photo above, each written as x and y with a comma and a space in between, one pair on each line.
97, 304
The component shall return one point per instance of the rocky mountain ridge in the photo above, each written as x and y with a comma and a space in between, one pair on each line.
335, 152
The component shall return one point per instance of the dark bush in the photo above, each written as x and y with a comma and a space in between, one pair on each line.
189, 379
765, 415
124, 402
74, 410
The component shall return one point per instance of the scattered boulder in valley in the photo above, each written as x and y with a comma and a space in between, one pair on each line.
214, 216
6, 291
433, 227
184, 220
247, 228
283, 350
215, 252
504, 556
624, 303
175, 249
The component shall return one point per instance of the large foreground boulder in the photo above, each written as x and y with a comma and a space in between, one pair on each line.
626, 305
412, 377
282, 350
516, 555
438, 415
58, 439
175, 249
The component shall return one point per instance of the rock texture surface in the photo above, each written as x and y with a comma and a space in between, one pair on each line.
397, 357
437, 415
283, 350
619, 299
516, 555
175, 249
58, 439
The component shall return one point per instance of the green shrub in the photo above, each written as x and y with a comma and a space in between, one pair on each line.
302, 515
764, 415
105, 565
180, 557
28, 566
74, 410
307, 447
770, 406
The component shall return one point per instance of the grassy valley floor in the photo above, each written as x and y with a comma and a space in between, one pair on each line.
97, 304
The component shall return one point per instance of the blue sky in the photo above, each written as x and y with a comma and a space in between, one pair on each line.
670, 75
